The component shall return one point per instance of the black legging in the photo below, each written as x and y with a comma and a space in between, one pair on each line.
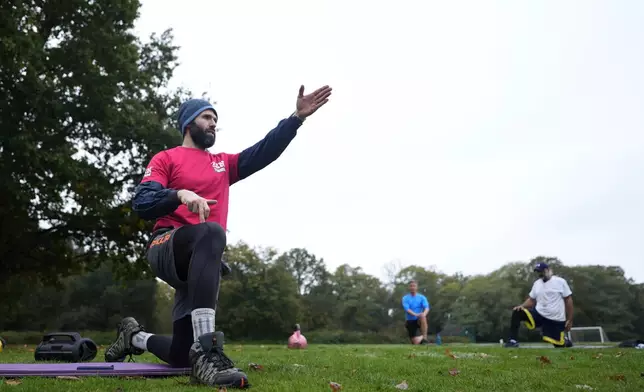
197, 253
515, 323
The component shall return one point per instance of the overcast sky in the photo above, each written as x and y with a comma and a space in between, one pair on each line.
460, 134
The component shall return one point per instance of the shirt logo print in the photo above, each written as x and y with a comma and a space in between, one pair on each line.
219, 167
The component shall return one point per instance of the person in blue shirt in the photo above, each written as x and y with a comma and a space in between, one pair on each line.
416, 308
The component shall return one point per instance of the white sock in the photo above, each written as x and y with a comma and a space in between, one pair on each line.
140, 340
203, 321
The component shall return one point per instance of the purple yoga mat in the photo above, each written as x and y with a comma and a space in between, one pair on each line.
90, 369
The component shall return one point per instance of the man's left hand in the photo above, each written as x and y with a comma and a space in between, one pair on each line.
568, 325
308, 104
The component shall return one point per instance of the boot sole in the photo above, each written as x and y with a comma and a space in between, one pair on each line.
240, 384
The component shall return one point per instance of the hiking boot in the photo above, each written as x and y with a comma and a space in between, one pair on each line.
210, 366
123, 347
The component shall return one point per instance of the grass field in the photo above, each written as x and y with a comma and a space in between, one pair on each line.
383, 367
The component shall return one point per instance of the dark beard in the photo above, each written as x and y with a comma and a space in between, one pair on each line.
200, 137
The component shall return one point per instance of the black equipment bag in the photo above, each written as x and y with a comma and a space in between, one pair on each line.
65, 347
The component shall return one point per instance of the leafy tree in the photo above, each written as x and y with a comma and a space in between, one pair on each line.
307, 269
84, 106
96, 300
637, 309
320, 304
485, 304
259, 300
362, 300
603, 296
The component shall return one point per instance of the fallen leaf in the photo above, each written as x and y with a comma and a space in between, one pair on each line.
403, 385
255, 366
618, 377
515, 356
572, 358
483, 355
448, 352
454, 372
619, 354
544, 360
68, 378
25, 346
335, 386
31, 350
222, 389
412, 355
119, 389
13, 381
597, 356
587, 387
354, 371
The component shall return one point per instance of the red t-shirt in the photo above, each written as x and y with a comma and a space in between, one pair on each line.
208, 175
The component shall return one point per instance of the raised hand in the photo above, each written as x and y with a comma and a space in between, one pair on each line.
310, 103
196, 204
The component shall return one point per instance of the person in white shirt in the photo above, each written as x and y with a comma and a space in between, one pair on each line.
552, 313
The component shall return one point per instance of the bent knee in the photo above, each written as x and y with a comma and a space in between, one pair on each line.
213, 231
211, 239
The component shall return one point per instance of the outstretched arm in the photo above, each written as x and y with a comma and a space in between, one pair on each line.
263, 153
267, 150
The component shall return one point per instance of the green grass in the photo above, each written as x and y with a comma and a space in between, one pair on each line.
381, 367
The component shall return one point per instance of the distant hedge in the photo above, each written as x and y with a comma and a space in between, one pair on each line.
350, 337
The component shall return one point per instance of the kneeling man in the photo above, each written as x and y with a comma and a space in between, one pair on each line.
552, 313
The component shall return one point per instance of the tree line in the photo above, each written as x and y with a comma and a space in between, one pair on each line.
268, 292
85, 105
